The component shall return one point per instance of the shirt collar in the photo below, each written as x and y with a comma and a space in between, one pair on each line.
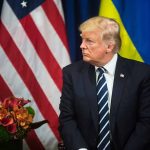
111, 65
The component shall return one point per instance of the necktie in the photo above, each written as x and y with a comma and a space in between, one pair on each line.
102, 96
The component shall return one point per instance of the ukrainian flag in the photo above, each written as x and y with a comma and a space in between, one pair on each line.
134, 19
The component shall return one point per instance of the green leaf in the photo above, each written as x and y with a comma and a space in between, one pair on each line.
4, 135
30, 110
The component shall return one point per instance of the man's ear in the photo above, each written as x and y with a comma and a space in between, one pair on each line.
110, 47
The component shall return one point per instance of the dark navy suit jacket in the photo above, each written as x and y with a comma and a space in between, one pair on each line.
129, 113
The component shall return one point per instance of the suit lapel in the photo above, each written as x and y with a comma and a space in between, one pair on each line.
89, 79
118, 86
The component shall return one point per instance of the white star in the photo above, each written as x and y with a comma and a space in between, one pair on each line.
24, 4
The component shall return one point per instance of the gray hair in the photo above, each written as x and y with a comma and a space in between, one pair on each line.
109, 30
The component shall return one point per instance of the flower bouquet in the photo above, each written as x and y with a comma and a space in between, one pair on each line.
16, 119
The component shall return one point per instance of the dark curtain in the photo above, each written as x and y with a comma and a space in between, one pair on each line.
75, 12
1, 2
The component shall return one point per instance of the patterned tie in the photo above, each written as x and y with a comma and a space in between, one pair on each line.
102, 96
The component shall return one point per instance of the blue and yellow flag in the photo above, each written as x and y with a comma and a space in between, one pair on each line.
134, 20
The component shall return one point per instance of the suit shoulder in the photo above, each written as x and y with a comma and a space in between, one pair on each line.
135, 64
76, 66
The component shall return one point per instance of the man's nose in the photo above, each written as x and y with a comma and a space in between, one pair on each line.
82, 45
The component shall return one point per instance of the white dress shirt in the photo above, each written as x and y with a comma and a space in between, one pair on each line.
109, 75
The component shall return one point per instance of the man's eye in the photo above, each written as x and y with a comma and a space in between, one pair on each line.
90, 42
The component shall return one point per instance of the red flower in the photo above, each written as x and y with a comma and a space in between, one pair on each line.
12, 102
7, 120
15, 119
12, 128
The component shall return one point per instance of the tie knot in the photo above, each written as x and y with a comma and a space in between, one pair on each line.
101, 70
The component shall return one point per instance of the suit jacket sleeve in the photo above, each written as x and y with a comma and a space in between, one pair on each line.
70, 133
140, 137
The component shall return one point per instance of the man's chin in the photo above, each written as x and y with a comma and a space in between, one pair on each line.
86, 59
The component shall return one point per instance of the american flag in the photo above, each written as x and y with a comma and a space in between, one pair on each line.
33, 51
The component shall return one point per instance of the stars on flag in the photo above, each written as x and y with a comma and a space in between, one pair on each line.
24, 4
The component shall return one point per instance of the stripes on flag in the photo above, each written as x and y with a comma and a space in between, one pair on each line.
5, 88
33, 51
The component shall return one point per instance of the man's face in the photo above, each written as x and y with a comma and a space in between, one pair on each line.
93, 48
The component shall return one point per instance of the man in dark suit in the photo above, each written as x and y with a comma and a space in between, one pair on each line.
128, 83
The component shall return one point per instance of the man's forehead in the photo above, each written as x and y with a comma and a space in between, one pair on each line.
86, 34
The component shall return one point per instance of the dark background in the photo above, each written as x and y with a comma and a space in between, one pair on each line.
77, 11
1, 2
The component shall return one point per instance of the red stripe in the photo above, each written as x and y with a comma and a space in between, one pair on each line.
43, 51
6, 92
32, 142
29, 79
56, 20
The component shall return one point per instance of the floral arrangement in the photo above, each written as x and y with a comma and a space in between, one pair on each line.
16, 119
